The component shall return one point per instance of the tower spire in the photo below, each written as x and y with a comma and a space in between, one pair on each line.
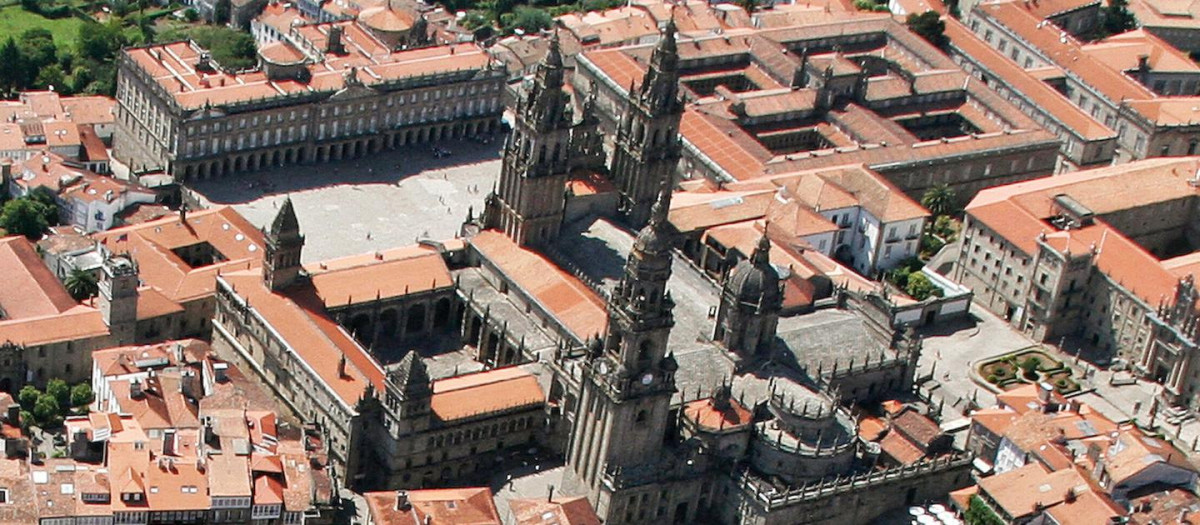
762, 252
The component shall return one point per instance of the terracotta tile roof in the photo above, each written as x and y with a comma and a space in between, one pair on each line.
382, 275
995, 420
78, 323
30, 289
14, 475
961, 498
1164, 507
299, 318
1180, 14
466, 506
589, 182
563, 295
151, 244
1048, 38
692, 211
1172, 111
559, 511
1124, 52
1023, 492
1050, 8
1035, 428
281, 52
173, 67
1134, 451
162, 404
123, 360
871, 428
917, 427
1086, 509
853, 185
707, 416
1025, 398
1048, 99
900, 448
1017, 212
487, 392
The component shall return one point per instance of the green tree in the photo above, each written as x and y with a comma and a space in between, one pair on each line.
919, 287
81, 395
978, 513
939, 199
100, 42
24, 217
50, 77
929, 25
1118, 18
28, 396
45, 196
221, 12
61, 392
13, 73
530, 19
81, 284
37, 46
191, 15
47, 412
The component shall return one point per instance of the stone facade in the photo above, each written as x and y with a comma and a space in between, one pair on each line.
216, 123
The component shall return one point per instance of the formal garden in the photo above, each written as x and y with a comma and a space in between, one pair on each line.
1030, 365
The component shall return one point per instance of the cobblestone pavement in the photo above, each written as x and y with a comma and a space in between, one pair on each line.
384, 201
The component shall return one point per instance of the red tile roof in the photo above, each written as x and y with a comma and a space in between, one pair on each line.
487, 392
299, 318
1017, 213
561, 294
30, 289
559, 511
380, 275
466, 506
151, 244
707, 416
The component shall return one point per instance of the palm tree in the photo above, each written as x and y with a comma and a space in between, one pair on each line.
939, 200
81, 284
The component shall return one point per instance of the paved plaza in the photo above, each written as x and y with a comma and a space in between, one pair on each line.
383, 201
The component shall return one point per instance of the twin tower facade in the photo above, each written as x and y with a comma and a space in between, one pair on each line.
547, 144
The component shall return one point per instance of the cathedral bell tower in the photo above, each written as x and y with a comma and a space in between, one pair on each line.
528, 206
647, 145
281, 262
629, 381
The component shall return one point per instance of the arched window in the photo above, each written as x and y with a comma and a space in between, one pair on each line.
644, 352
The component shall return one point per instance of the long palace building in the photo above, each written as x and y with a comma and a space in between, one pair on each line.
323, 92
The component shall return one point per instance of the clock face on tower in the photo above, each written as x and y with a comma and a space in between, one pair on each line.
647, 379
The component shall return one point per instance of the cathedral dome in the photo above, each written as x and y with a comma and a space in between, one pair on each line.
387, 19
652, 239
754, 281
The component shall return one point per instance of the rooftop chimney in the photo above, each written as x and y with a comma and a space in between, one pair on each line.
1044, 391
135, 389
334, 45
219, 371
402, 502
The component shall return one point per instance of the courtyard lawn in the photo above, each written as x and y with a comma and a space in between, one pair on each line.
14, 21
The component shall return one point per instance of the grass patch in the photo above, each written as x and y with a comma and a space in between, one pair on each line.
14, 21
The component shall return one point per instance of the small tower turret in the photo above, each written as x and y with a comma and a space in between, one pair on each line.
118, 298
281, 262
